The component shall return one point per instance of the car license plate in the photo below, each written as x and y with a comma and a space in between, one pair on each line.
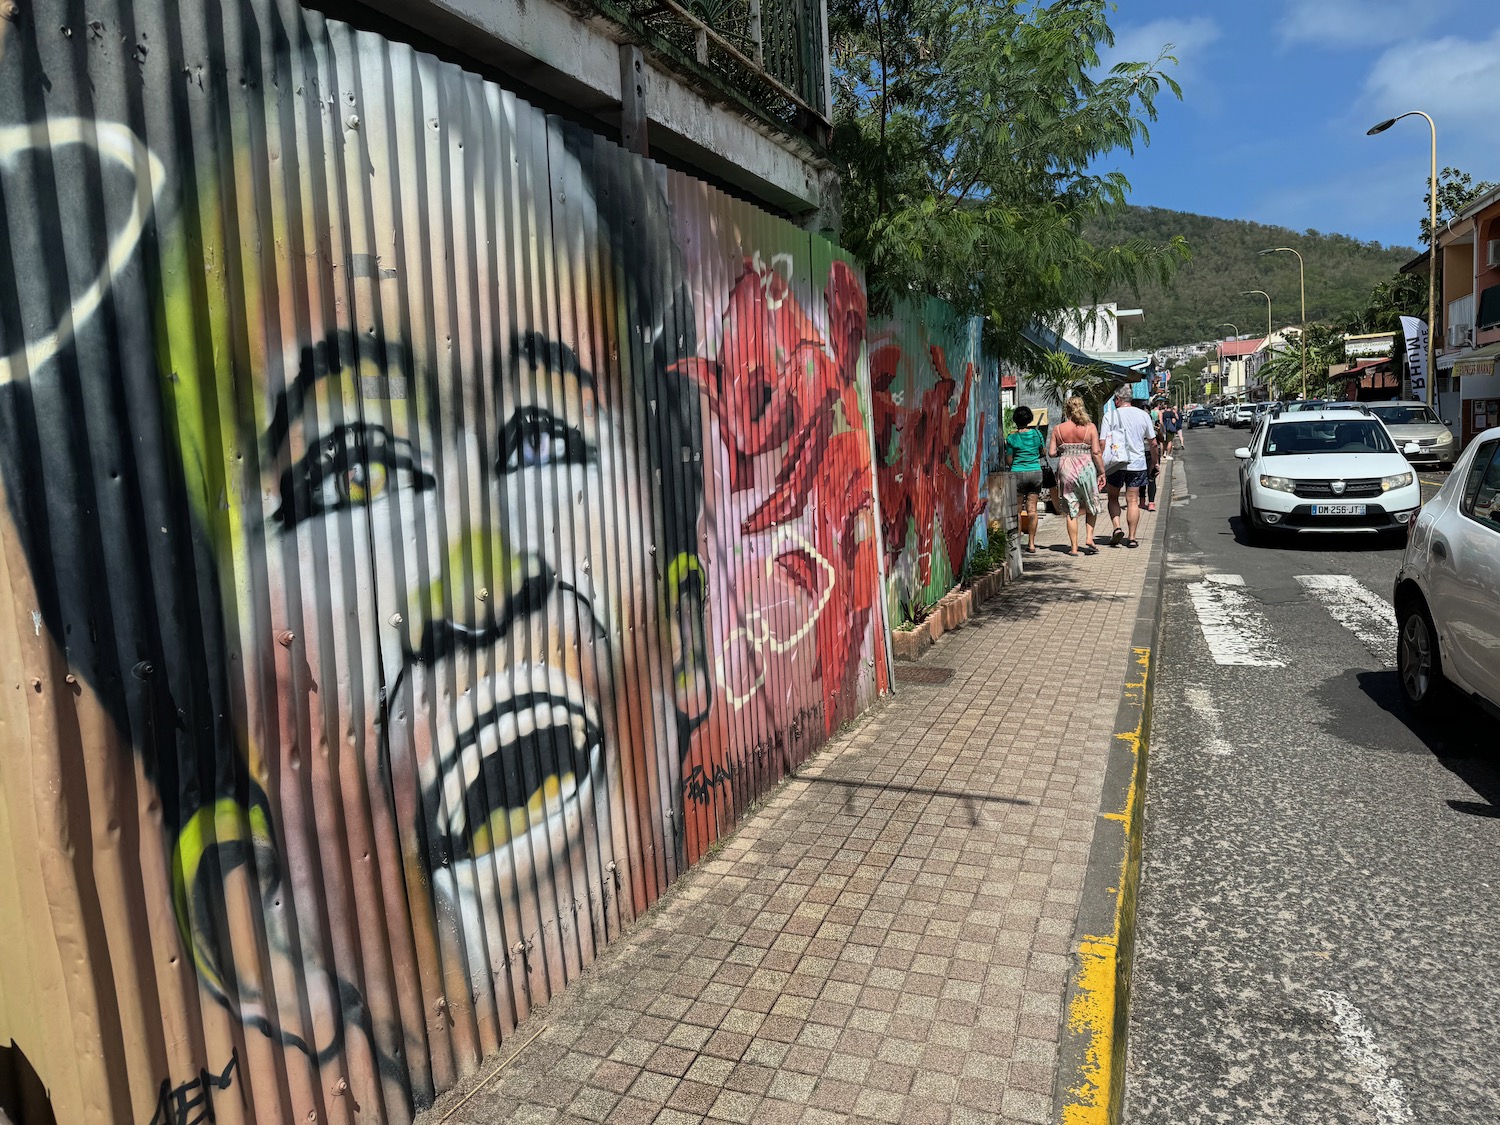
1338, 509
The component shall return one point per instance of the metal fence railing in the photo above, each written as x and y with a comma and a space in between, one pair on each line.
771, 52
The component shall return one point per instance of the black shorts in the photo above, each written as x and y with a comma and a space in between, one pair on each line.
1029, 484
1128, 478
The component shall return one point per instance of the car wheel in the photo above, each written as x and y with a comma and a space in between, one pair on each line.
1255, 535
1418, 662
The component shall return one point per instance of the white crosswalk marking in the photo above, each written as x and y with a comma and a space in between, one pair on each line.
1365, 614
1232, 623
1387, 1094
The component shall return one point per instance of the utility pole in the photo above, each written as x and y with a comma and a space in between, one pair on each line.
1432, 246
1302, 276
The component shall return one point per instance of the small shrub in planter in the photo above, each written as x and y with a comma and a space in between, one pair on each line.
988, 559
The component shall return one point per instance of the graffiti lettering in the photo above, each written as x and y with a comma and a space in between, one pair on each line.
193, 1101
699, 785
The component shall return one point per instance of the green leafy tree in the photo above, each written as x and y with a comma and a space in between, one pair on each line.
1226, 263
969, 136
1325, 349
1456, 190
1054, 378
1405, 294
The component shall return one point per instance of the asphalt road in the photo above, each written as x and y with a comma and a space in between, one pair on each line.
1318, 937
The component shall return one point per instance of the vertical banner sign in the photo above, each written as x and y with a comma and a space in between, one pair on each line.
1416, 355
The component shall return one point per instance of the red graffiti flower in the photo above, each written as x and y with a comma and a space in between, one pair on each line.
777, 388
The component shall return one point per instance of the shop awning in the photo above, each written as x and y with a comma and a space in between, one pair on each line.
1048, 340
1481, 361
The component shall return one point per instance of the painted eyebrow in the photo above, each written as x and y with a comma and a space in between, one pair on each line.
319, 361
552, 354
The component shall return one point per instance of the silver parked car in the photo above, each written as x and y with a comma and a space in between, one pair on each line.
1418, 432
1447, 591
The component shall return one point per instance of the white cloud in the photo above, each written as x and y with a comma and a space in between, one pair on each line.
1452, 78
1187, 39
1356, 23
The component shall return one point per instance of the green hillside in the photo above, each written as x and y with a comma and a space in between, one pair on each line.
1341, 271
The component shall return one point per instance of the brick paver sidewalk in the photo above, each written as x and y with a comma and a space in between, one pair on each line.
888, 937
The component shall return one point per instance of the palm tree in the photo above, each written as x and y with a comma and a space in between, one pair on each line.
1055, 377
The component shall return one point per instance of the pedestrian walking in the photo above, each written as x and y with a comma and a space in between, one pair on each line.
1148, 490
1080, 472
1023, 454
1172, 424
1129, 441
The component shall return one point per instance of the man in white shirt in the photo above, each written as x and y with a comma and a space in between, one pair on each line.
1138, 438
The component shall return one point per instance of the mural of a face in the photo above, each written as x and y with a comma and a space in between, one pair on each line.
476, 579
428, 529
444, 489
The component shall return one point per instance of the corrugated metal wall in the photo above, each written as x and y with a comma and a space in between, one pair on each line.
928, 375
425, 529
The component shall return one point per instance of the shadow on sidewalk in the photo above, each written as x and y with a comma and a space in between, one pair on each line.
971, 803
1019, 600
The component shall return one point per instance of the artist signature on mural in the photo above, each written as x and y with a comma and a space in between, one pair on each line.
193, 1101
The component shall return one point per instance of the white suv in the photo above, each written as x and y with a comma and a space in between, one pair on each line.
1448, 588
1331, 470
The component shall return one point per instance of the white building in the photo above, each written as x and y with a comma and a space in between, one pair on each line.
1096, 329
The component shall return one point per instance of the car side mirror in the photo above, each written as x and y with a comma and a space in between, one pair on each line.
1446, 422
1243, 453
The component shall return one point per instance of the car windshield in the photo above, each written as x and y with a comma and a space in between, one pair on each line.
1406, 415
1331, 435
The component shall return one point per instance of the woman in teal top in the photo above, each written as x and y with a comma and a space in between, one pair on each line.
1023, 452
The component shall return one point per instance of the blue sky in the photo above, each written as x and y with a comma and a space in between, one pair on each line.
1277, 95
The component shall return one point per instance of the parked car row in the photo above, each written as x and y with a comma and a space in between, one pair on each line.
1419, 433
1350, 469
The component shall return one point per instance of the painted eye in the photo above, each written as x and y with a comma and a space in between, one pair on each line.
361, 482
350, 468
535, 437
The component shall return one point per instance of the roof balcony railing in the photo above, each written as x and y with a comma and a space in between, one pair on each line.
769, 54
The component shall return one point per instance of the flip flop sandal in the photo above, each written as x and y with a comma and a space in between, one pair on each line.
1131, 543
1116, 538
1090, 550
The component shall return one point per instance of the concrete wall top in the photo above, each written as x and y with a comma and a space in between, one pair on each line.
558, 52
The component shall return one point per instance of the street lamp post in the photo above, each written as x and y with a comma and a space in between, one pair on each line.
1302, 276
1225, 324
1267, 296
1432, 191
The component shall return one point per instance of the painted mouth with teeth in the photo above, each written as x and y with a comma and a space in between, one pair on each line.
520, 764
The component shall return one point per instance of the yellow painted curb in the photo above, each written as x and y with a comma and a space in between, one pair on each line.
1099, 1008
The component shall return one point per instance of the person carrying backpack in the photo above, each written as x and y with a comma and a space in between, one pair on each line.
1172, 425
